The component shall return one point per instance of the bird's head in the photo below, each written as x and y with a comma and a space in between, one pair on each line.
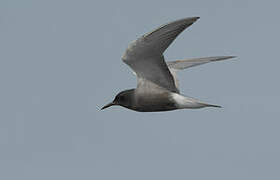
124, 99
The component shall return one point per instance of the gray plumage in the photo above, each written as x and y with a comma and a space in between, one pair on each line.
157, 84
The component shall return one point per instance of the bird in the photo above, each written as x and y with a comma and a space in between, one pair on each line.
157, 84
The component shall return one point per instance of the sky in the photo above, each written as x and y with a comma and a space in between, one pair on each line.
60, 62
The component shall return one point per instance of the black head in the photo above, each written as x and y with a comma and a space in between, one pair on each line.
124, 99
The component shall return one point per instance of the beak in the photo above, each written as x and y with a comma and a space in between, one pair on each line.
108, 105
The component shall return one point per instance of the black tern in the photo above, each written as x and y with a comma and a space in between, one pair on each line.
157, 84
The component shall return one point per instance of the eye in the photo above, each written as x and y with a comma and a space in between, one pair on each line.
121, 98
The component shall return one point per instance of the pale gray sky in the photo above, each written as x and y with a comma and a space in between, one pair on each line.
60, 62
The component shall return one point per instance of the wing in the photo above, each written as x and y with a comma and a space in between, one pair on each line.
174, 66
145, 56
183, 64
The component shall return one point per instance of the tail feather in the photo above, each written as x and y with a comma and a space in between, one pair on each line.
210, 105
184, 102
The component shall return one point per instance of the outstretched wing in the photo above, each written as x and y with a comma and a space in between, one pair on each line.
187, 63
145, 56
174, 66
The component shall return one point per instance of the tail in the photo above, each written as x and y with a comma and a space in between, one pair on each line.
184, 102
210, 105
183, 64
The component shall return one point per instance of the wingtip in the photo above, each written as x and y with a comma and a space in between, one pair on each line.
195, 18
190, 19
220, 58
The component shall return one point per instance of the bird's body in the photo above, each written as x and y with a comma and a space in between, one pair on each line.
149, 96
151, 102
157, 84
